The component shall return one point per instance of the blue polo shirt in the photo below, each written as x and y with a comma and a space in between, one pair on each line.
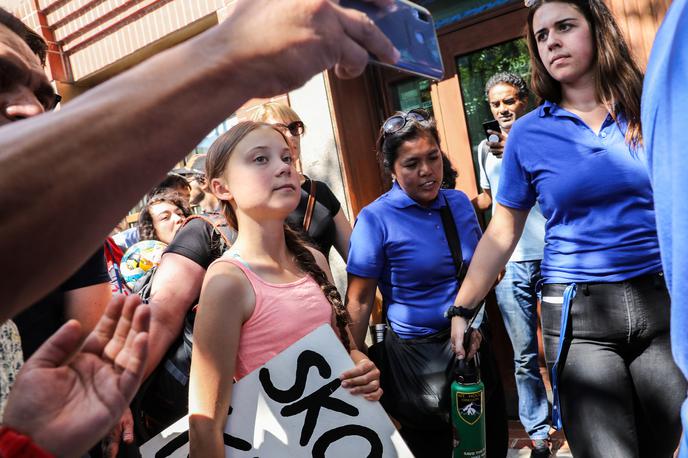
593, 190
403, 246
664, 125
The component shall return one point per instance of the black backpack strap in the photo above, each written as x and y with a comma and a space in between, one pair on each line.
453, 240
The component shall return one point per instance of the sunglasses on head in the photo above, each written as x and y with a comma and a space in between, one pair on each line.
397, 122
295, 128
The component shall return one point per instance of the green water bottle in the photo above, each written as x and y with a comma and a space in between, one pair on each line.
468, 408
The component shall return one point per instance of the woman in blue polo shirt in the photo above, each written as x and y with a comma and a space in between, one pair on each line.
605, 308
399, 245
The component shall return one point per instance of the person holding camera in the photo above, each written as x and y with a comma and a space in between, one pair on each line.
605, 305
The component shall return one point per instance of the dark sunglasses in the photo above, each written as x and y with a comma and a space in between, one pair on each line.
398, 121
295, 128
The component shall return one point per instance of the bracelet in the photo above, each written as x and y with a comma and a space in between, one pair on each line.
461, 311
14, 444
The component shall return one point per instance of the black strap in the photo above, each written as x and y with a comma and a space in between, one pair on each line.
453, 240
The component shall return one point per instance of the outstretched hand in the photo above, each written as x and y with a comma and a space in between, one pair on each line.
65, 398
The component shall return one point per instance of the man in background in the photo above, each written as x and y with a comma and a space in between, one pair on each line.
507, 95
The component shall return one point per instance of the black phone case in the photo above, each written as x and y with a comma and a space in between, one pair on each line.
491, 125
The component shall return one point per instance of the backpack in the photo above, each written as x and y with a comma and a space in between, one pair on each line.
163, 398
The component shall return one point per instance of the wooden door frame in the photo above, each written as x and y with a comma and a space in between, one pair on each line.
483, 30
359, 106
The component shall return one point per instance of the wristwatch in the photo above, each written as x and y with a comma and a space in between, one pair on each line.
463, 312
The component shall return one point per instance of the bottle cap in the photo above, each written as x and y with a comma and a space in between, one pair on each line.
466, 372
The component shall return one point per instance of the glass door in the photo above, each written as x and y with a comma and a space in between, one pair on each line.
411, 93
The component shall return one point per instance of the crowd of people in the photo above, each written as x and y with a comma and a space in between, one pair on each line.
578, 226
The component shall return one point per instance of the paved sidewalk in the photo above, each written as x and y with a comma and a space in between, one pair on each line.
519, 443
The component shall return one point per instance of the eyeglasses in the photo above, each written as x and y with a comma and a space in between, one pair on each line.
295, 128
398, 121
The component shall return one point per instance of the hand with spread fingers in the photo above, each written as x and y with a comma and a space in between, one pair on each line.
66, 398
364, 378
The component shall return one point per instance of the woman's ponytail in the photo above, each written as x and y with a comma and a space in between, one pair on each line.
306, 262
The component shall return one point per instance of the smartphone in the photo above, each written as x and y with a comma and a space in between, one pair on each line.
494, 126
411, 29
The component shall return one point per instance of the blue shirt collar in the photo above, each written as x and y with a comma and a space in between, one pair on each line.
552, 109
399, 199
548, 108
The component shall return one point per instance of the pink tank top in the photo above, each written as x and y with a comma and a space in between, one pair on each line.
284, 313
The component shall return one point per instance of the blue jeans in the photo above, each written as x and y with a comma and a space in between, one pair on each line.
517, 301
619, 388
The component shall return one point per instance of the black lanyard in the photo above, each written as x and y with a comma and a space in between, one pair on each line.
453, 240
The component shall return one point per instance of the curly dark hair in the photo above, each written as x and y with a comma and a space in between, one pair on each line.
35, 42
507, 78
449, 173
145, 223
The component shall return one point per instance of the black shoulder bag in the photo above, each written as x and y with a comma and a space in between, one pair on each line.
416, 373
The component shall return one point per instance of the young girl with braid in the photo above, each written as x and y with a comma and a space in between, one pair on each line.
266, 292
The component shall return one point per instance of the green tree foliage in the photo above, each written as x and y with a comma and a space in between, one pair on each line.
476, 68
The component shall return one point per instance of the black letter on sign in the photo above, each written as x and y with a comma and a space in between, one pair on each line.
183, 438
313, 402
173, 445
236, 443
333, 435
306, 359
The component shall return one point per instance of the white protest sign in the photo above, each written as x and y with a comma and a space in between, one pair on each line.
293, 406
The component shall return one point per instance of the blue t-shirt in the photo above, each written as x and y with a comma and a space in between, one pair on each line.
403, 246
594, 191
664, 125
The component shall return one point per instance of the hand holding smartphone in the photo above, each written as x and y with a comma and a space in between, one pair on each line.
412, 31
492, 125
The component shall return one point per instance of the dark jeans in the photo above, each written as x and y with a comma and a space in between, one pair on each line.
620, 390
